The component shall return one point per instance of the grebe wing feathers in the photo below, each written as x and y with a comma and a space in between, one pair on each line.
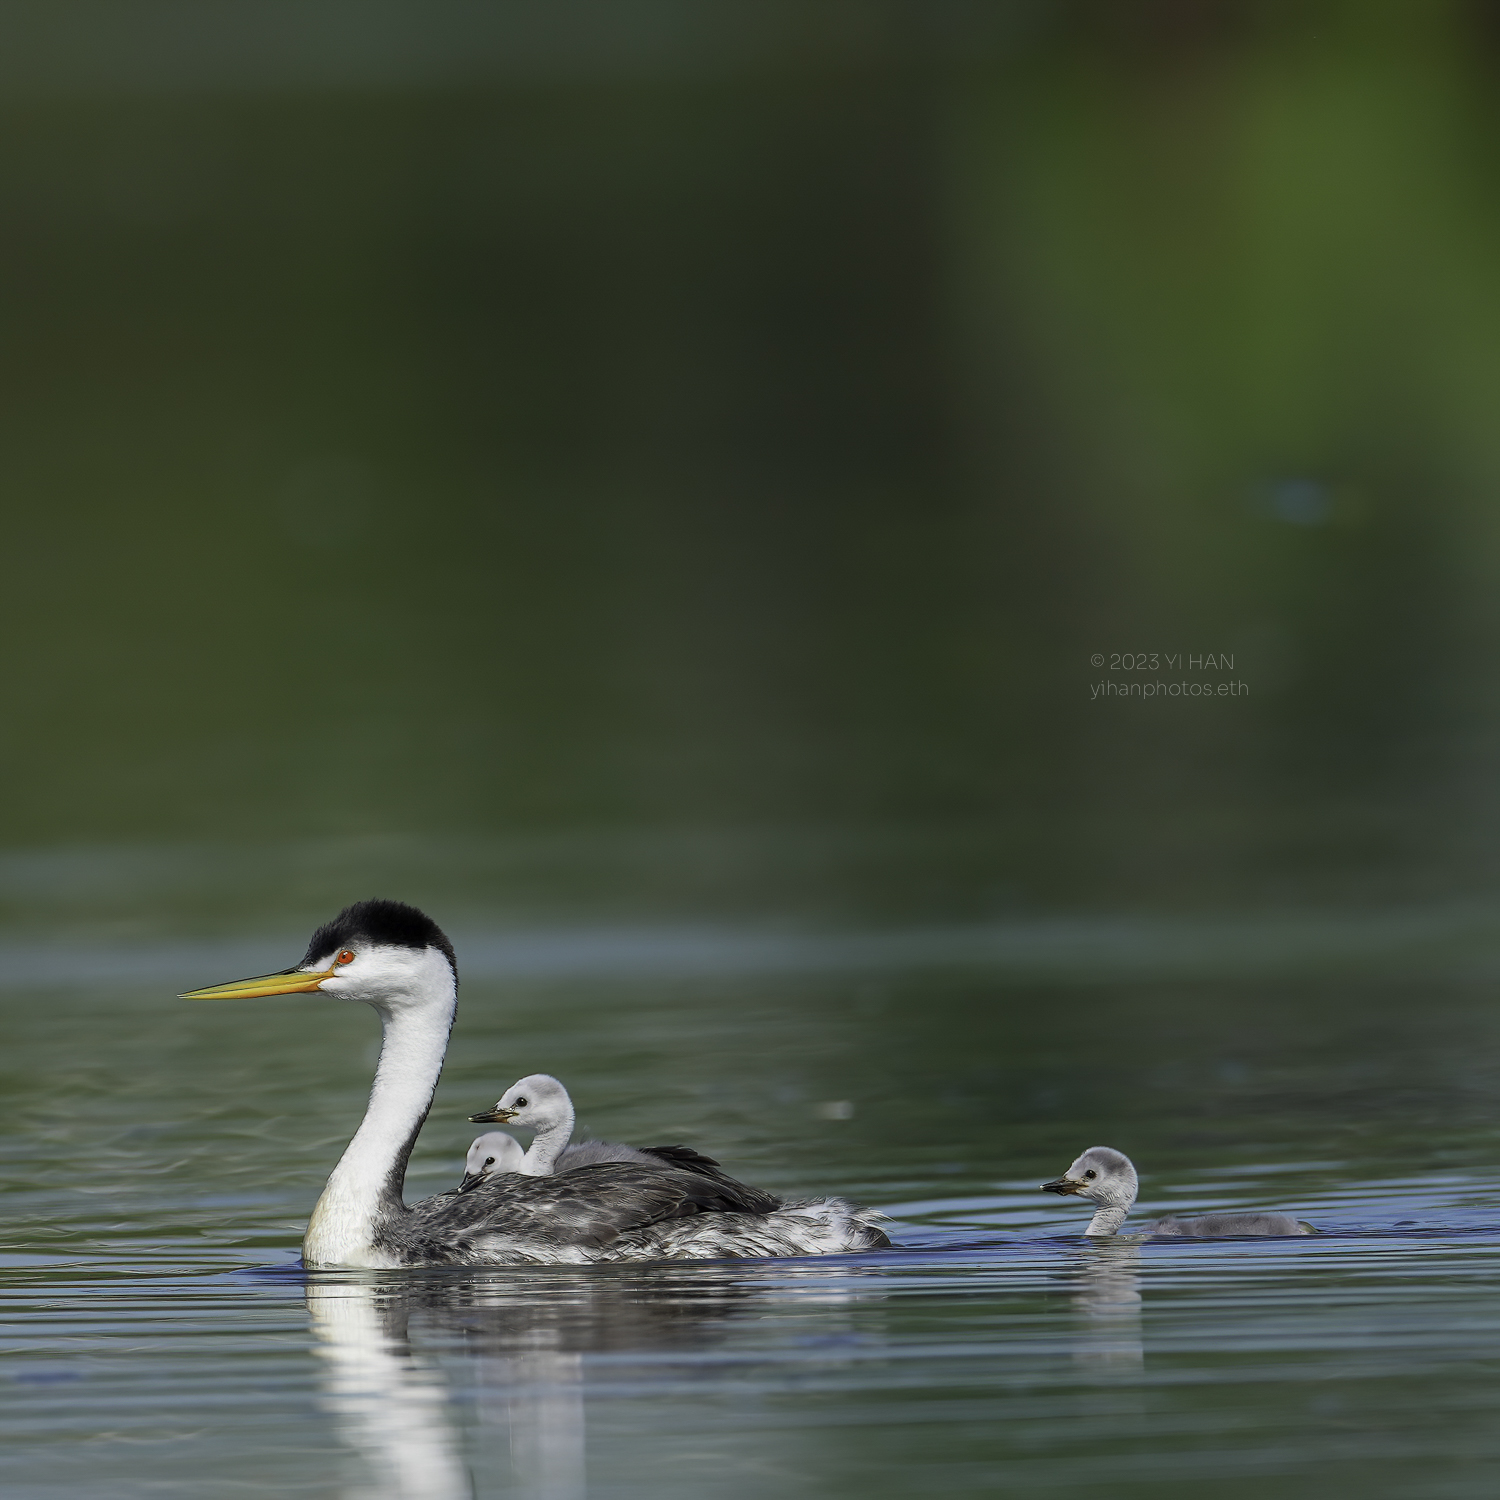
587, 1208
683, 1156
689, 1160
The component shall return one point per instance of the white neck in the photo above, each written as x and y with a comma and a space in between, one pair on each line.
364, 1190
1108, 1220
548, 1145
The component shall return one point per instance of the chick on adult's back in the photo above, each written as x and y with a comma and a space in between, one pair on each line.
541, 1103
493, 1152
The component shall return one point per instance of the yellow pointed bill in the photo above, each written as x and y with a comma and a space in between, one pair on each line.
288, 982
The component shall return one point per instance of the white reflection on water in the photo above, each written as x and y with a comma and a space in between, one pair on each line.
393, 1405
1108, 1300
390, 1406
512, 1351
538, 1399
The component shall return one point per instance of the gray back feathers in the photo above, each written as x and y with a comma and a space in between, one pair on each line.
1208, 1226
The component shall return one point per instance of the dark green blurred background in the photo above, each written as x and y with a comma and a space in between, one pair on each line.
725, 433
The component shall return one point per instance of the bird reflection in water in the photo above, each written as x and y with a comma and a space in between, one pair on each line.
389, 1405
1107, 1297
403, 1355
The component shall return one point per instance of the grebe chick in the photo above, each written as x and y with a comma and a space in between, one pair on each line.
491, 1153
541, 1103
1107, 1178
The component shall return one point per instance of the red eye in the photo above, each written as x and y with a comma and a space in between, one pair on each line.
345, 957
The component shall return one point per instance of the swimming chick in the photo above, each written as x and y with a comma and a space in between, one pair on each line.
1107, 1178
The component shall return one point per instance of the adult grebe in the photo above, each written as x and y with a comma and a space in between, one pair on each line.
1108, 1178
396, 959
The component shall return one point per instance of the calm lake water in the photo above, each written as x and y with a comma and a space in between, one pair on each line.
160, 1338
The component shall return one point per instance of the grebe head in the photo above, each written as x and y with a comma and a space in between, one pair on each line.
491, 1154
385, 953
538, 1101
1101, 1175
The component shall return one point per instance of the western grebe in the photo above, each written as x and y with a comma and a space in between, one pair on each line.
1107, 1178
396, 959
491, 1153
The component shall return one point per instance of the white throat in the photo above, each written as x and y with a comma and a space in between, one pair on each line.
548, 1145
1108, 1220
364, 1189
